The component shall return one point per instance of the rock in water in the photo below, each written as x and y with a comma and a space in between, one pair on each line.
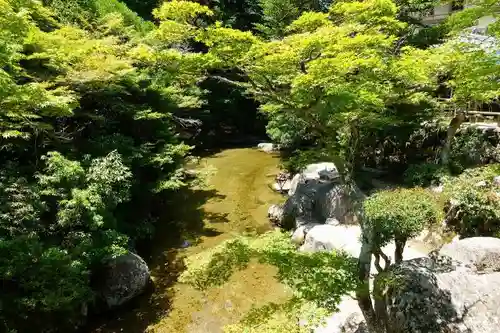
326, 171
124, 278
268, 147
275, 214
319, 194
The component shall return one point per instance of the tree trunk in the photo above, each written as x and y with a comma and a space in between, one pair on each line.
363, 292
452, 130
379, 297
398, 252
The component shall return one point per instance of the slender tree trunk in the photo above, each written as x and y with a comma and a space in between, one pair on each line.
363, 294
452, 130
398, 252
379, 297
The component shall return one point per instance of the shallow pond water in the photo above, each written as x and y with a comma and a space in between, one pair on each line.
235, 202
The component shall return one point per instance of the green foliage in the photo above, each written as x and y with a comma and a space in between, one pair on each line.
89, 13
53, 233
91, 94
142, 7
474, 175
469, 16
473, 147
238, 14
425, 174
400, 214
277, 15
330, 76
89, 150
473, 210
299, 159
317, 279
41, 285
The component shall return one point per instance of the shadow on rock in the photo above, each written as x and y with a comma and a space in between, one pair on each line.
416, 301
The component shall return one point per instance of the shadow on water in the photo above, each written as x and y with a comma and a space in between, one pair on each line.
182, 227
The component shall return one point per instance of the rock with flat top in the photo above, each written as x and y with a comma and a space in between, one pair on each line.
481, 253
325, 237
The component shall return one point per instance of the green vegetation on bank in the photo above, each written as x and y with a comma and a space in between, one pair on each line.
93, 102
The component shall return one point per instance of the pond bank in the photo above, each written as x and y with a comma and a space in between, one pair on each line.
235, 202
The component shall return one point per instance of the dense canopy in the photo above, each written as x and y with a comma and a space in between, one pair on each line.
96, 97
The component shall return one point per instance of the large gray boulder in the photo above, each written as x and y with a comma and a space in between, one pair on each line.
124, 278
319, 193
480, 253
347, 238
450, 291
440, 294
348, 319
326, 171
329, 238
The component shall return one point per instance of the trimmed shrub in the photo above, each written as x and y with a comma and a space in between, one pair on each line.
400, 214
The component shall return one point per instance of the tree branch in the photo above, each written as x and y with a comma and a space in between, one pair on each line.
377, 262
229, 81
387, 260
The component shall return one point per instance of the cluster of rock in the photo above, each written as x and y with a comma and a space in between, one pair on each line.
318, 195
453, 290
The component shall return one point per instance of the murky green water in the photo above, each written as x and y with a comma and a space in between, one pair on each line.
235, 202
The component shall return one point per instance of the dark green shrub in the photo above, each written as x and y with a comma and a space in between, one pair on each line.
474, 211
472, 147
53, 232
400, 214
424, 174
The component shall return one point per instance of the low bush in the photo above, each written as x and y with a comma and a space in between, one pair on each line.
474, 211
425, 174
473, 205
471, 147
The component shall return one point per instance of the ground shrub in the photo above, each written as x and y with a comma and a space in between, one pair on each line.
424, 174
